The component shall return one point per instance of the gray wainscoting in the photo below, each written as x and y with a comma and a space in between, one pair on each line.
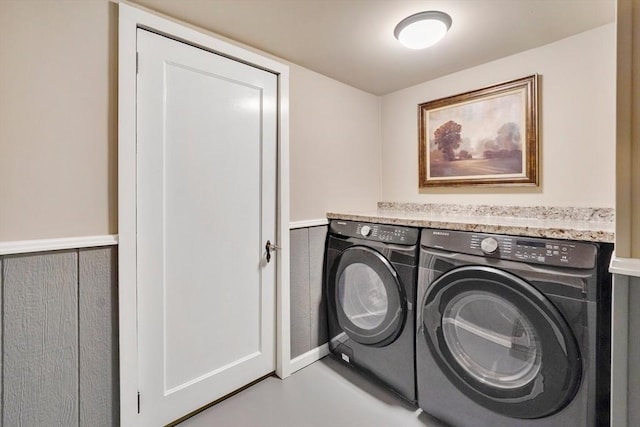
59, 326
59, 342
633, 384
308, 317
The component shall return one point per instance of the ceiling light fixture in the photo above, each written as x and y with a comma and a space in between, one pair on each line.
423, 29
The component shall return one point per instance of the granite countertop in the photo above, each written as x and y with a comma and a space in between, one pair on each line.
586, 224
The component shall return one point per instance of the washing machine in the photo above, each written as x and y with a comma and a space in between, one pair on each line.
370, 289
513, 331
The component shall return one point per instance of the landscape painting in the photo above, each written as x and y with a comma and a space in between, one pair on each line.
484, 137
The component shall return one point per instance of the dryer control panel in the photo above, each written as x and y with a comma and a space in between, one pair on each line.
376, 232
527, 249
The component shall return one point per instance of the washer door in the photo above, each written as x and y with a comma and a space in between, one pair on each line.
501, 342
366, 297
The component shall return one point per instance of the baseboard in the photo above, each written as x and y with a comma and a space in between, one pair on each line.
309, 357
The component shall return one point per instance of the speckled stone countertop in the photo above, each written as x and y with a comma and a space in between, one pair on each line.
586, 224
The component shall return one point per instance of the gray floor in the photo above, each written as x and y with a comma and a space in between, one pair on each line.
326, 393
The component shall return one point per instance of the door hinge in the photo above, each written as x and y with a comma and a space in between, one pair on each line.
136, 62
138, 402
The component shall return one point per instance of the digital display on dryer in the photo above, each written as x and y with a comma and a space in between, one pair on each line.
530, 244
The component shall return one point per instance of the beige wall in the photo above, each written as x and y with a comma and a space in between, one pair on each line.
58, 127
58, 119
335, 146
577, 126
628, 130
635, 132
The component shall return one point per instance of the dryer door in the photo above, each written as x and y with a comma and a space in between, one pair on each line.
501, 342
366, 297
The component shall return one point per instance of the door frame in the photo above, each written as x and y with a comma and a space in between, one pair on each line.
130, 19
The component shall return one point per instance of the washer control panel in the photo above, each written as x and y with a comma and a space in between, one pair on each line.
376, 232
527, 249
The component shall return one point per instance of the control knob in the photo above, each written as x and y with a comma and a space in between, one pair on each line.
365, 230
489, 245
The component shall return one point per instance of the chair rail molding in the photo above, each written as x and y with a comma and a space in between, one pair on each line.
58, 244
308, 223
625, 266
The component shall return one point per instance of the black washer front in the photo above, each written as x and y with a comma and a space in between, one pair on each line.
501, 342
366, 296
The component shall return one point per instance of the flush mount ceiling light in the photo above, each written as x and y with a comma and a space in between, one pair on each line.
423, 29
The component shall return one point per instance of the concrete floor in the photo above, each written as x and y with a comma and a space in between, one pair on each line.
326, 393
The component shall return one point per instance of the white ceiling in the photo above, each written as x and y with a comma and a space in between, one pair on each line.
352, 40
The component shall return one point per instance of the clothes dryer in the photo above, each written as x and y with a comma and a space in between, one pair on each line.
513, 331
370, 289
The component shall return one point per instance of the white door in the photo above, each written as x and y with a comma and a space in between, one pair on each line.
206, 201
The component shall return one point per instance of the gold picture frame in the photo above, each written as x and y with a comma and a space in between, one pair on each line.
486, 137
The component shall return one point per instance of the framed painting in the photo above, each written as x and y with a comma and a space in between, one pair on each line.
487, 137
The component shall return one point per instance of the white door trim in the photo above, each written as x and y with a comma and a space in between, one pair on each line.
130, 18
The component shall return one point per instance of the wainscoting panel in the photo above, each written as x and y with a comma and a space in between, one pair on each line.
318, 313
98, 326
59, 338
1, 341
299, 292
41, 339
308, 318
633, 375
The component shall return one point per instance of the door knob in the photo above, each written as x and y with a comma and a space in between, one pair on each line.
270, 247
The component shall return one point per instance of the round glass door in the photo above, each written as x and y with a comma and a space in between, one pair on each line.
491, 340
366, 296
501, 342
362, 296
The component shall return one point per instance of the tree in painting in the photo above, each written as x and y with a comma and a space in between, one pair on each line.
447, 139
509, 136
464, 155
508, 143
